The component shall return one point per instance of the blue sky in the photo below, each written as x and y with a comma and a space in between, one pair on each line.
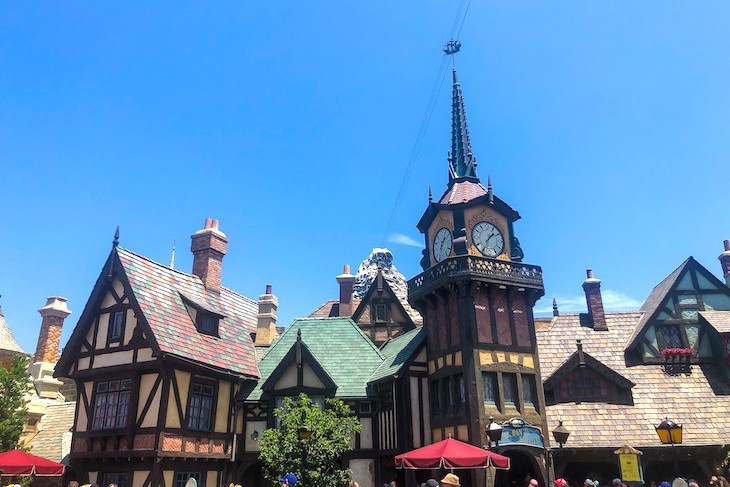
605, 124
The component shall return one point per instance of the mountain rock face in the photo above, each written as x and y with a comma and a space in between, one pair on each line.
368, 271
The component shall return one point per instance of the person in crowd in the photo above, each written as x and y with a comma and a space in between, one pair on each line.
393, 484
561, 482
616, 482
665, 484
288, 480
450, 480
354, 484
588, 483
113, 485
533, 483
432, 483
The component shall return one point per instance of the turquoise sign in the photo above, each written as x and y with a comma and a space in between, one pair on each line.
517, 432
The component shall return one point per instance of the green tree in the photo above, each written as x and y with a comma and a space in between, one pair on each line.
14, 385
309, 442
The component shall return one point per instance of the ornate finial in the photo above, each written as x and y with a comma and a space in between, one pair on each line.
115, 242
172, 256
462, 163
299, 348
430, 194
555, 308
490, 193
452, 47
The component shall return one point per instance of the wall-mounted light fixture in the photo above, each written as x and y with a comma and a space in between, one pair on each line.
255, 435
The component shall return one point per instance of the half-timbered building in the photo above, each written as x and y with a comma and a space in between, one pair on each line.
613, 377
158, 356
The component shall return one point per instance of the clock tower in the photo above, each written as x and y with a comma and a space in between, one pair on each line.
476, 298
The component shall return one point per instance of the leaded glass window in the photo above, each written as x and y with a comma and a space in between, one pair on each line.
510, 388
670, 335
181, 478
200, 411
584, 384
111, 404
490, 387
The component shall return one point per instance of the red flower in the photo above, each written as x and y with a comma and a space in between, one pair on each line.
677, 351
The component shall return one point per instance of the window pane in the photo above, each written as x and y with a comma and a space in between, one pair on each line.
111, 408
490, 387
200, 410
584, 384
117, 325
510, 388
528, 389
670, 334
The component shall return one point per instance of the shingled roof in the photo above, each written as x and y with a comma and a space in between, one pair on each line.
699, 400
53, 440
159, 292
338, 345
397, 351
7, 340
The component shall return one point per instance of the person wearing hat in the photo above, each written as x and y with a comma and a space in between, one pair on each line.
431, 483
588, 483
561, 482
450, 480
288, 479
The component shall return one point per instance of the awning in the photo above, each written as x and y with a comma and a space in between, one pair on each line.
451, 453
16, 462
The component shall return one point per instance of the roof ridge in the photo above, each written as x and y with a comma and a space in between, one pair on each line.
349, 320
178, 271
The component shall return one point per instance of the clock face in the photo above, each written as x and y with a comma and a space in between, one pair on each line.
442, 244
487, 239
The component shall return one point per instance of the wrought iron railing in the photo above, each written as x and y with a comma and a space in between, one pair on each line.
492, 269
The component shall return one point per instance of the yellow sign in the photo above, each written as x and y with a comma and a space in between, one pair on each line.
630, 468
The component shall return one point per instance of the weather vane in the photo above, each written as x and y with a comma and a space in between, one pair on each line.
452, 47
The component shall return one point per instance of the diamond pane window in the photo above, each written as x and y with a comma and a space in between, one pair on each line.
490, 387
510, 388
528, 389
670, 335
584, 384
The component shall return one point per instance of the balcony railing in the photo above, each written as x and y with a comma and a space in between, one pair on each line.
493, 270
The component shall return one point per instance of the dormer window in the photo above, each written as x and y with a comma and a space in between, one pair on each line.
584, 384
207, 323
381, 313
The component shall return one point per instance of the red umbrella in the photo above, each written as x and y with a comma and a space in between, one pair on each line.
16, 462
451, 453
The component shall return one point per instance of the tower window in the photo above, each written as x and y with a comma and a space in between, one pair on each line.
490, 387
528, 390
460, 392
510, 389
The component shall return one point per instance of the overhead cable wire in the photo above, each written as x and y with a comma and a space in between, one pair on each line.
426, 119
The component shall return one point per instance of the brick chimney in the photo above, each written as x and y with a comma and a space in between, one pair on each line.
347, 283
209, 245
49, 339
725, 262
266, 319
592, 288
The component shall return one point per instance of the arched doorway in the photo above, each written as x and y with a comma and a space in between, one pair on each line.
523, 466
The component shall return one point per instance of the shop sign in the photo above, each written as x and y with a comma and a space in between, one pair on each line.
517, 432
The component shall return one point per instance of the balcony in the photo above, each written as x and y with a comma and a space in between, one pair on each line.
478, 268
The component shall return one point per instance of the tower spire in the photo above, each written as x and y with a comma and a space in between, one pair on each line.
462, 163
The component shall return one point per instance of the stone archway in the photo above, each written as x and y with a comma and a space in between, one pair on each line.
522, 464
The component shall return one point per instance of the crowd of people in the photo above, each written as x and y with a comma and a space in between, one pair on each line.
715, 481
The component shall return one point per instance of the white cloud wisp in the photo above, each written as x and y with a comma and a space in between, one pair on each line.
402, 239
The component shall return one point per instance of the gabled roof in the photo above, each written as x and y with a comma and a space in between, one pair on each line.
338, 344
398, 352
719, 320
381, 283
653, 304
7, 340
578, 359
655, 394
158, 291
291, 358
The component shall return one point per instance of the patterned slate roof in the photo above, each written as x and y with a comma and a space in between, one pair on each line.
7, 340
397, 351
53, 441
158, 291
720, 320
462, 191
699, 401
339, 346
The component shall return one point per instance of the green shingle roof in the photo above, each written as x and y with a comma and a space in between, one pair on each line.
397, 352
340, 347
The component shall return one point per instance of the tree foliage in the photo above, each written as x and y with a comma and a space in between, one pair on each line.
14, 385
313, 460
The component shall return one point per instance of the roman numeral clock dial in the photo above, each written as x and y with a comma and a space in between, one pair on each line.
487, 239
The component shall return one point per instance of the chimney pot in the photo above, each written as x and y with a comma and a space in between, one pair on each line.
209, 246
49, 339
266, 319
347, 285
594, 301
725, 262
